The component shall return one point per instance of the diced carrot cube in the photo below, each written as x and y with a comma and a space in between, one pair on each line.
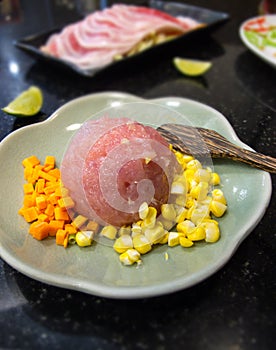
53, 199
28, 201
58, 192
61, 214
54, 226
31, 161
43, 217
21, 211
66, 241
28, 188
36, 172
70, 228
50, 188
41, 202
49, 210
39, 230
28, 173
50, 160
40, 184
46, 176
30, 214
54, 172
60, 236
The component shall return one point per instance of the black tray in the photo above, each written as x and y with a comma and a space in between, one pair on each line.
31, 44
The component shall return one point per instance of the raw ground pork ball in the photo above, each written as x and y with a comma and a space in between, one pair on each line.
112, 166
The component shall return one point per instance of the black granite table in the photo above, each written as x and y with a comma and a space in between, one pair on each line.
235, 308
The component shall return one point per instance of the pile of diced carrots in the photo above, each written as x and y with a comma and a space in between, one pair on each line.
46, 203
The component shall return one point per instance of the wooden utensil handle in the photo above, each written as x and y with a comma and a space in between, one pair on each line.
255, 159
200, 141
223, 148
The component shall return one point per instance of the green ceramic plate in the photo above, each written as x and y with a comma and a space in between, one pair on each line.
96, 269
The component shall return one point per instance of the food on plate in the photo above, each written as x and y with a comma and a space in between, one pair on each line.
261, 32
191, 67
176, 203
28, 103
113, 165
114, 33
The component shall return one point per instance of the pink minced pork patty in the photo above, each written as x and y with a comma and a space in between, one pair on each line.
112, 166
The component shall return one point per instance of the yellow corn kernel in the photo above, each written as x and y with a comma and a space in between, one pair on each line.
155, 234
143, 210
167, 224
187, 158
173, 239
129, 257
84, 238
164, 239
136, 229
181, 215
181, 200
215, 179
212, 232
202, 175
198, 234
168, 212
217, 195
200, 191
150, 220
109, 231
141, 244
200, 213
178, 188
124, 230
190, 202
185, 242
217, 208
185, 227
123, 243
194, 164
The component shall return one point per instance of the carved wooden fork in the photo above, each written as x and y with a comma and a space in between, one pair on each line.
201, 141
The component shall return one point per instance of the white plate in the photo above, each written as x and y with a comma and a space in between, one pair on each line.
267, 52
96, 269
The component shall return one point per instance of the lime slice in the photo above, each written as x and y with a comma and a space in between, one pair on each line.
191, 67
28, 103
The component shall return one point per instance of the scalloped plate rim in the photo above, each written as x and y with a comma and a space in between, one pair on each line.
134, 292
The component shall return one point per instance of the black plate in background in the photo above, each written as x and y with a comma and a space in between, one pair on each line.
210, 18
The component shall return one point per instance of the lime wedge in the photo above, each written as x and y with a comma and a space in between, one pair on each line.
191, 67
28, 103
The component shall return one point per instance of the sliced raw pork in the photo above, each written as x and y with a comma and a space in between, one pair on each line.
103, 35
112, 166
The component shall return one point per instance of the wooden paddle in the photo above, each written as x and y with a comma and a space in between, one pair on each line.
201, 142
